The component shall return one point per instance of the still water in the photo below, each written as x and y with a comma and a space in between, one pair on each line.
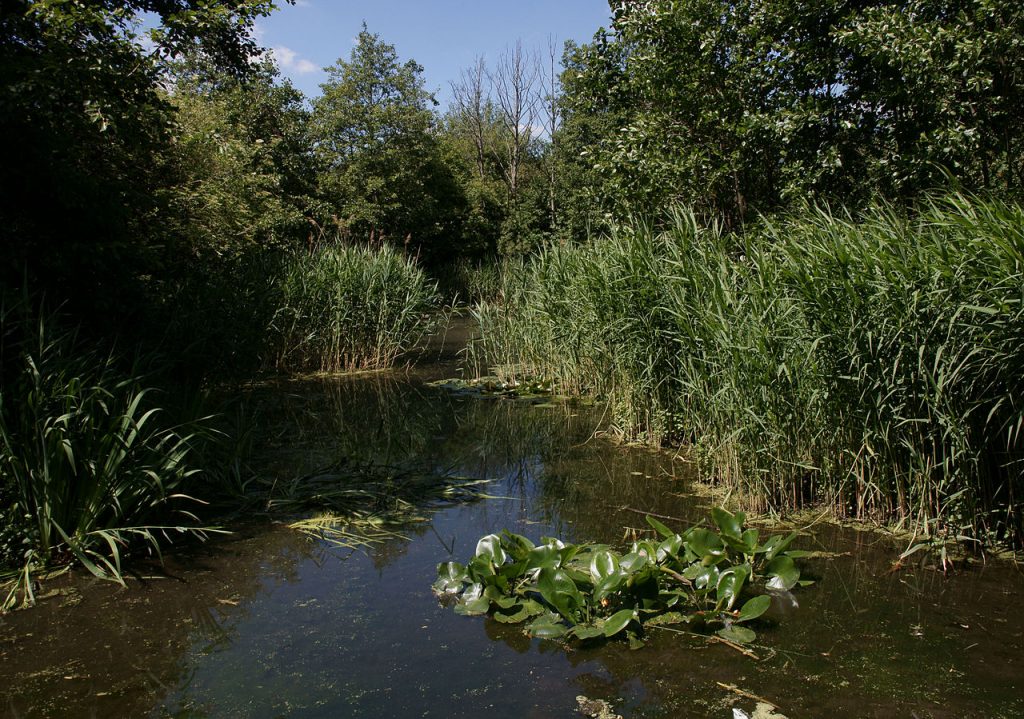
270, 623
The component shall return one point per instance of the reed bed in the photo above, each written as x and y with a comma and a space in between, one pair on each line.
346, 308
873, 364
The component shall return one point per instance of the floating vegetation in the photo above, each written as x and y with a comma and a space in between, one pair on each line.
361, 505
709, 581
495, 387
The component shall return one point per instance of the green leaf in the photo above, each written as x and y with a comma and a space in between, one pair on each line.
473, 607
633, 562
517, 613
728, 524
782, 572
754, 608
450, 578
670, 547
587, 631
729, 586
546, 556
705, 545
669, 618
560, 592
490, 547
737, 634
779, 546
659, 527
618, 621
603, 564
609, 585
547, 626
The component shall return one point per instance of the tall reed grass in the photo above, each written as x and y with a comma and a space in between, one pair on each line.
346, 308
88, 462
874, 364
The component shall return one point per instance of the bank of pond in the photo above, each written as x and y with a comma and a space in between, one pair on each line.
347, 616
654, 439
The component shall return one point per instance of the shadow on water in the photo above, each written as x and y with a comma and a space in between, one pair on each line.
270, 623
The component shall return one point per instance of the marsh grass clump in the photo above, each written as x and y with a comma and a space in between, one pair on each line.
346, 308
874, 364
89, 464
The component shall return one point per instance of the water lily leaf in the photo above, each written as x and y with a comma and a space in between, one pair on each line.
473, 607
618, 621
516, 545
754, 608
473, 591
480, 567
587, 631
546, 556
729, 524
782, 572
546, 626
603, 564
518, 612
729, 586
778, 545
670, 547
560, 592
632, 562
702, 577
666, 619
450, 578
490, 547
498, 598
736, 633
706, 545
608, 585
660, 528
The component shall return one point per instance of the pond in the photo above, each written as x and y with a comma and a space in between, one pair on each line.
268, 622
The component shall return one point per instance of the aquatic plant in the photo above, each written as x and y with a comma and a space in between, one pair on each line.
88, 464
347, 308
588, 591
872, 364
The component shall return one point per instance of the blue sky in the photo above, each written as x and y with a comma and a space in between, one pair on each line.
444, 36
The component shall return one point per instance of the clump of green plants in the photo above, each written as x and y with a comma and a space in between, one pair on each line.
89, 465
872, 364
347, 308
703, 579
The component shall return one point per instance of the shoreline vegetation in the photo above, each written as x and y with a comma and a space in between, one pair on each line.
177, 217
870, 364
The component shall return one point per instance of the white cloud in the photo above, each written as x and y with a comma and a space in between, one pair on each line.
290, 61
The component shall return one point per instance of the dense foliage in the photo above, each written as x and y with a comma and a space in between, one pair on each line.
695, 578
739, 108
872, 364
174, 196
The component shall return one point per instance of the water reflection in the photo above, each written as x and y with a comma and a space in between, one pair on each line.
272, 624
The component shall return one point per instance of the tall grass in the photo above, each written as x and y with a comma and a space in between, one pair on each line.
87, 461
346, 308
875, 364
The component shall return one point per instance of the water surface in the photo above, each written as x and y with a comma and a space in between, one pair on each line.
270, 623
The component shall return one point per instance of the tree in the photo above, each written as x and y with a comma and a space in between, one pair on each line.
244, 169
373, 128
84, 128
743, 107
